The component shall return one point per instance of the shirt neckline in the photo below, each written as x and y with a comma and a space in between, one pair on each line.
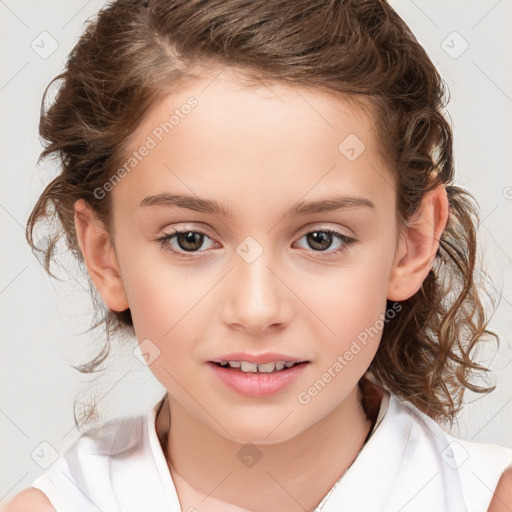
383, 409
166, 476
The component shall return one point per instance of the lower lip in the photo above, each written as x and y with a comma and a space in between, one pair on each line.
257, 384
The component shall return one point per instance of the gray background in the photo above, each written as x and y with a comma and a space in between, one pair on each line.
43, 321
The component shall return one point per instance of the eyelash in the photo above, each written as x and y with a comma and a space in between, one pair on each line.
163, 241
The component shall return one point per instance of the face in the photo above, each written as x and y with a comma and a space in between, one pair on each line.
263, 276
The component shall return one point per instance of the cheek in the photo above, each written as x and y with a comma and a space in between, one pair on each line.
162, 304
352, 306
160, 292
166, 302
165, 320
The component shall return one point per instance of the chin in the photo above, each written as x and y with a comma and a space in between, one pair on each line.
267, 432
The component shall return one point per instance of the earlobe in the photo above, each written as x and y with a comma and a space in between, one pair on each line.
418, 245
99, 256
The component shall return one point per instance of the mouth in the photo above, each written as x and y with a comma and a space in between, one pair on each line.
250, 367
262, 376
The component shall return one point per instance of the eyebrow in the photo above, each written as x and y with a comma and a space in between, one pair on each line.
209, 206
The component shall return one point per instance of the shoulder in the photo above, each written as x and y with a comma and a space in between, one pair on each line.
502, 498
479, 467
79, 463
472, 455
29, 500
484, 469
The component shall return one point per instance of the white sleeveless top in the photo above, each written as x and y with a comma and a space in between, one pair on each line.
408, 464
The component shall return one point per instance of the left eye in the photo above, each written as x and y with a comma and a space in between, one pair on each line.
322, 239
189, 241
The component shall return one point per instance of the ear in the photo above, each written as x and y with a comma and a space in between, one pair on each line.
418, 245
99, 256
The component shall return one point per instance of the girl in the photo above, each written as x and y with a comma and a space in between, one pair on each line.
262, 193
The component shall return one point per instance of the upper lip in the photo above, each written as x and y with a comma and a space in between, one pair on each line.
267, 357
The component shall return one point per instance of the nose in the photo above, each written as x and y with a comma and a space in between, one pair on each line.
254, 296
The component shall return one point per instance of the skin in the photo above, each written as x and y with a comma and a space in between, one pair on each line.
261, 150
502, 498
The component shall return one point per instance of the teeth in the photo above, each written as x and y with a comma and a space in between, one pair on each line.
248, 367
267, 367
258, 368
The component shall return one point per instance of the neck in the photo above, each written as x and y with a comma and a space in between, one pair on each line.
285, 477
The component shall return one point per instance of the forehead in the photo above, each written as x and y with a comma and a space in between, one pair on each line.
255, 145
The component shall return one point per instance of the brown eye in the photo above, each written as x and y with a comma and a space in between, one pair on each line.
182, 242
321, 240
189, 240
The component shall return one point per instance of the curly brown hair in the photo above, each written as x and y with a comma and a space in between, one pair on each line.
133, 53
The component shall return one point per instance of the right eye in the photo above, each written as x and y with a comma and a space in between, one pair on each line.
186, 241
